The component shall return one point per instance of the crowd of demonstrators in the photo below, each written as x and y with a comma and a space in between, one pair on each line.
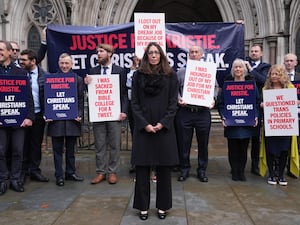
161, 123
154, 105
259, 70
65, 132
32, 154
12, 138
107, 134
188, 118
277, 147
238, 136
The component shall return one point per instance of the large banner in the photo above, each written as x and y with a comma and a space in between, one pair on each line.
13, 100
221, 42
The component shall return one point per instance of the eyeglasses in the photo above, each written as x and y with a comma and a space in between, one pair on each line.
153, 53
15, 49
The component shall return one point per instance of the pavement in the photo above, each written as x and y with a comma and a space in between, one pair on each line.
221, 201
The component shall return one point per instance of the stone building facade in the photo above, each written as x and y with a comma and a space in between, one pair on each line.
272, 23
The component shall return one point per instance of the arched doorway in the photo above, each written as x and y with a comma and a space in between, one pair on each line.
182, 10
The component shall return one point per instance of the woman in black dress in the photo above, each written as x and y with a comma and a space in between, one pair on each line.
154, 104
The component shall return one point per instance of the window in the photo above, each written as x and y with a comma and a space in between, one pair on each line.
34, 39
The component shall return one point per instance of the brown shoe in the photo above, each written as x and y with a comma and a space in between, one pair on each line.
112, 178
98, 178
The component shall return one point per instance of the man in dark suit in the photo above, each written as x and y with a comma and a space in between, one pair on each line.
188, 119
12, 138
108, 133
34, 137
290, 62
259, 70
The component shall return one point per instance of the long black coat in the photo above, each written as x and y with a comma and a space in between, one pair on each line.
152, 105
61, 128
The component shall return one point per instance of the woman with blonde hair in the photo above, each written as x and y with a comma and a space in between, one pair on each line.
277, 147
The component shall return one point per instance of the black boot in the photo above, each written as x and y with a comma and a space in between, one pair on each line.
234, 174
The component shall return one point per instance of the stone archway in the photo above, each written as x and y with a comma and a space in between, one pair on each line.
182, 11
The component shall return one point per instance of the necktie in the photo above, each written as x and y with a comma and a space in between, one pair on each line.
104, 70
291, 76
30, 77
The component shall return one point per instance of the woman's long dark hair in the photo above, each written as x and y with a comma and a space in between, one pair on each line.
162, 67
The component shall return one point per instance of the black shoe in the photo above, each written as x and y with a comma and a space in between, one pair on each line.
182, 177
161, 214
143, 216
202, 177
22, 179
255, 171
74, 177
242, 177
16, 186
291, 175
3, 188
60, 181
38, 177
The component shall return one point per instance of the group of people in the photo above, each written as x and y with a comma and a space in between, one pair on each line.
275, 148
162, 124
20, 149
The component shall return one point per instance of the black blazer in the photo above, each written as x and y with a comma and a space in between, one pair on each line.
41, 82
260, 74
297, 76
123, 76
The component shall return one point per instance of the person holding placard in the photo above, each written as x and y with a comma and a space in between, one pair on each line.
12, 136
238, 135
108, 133
154, 104
276, 147
66, 131
188, 118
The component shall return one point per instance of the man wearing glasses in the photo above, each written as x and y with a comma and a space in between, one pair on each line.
15, 53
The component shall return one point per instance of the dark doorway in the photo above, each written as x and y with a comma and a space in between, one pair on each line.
182, 10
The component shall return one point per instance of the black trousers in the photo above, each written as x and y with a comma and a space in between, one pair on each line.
271, 162
186, 122
58, 150
163, 188
32, 154
237, 154
255, 146
12, 144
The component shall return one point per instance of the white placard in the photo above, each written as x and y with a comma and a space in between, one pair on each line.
280, 112
149, 27
199, 83
104, 98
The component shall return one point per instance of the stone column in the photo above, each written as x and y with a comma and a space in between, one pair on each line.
272, 42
